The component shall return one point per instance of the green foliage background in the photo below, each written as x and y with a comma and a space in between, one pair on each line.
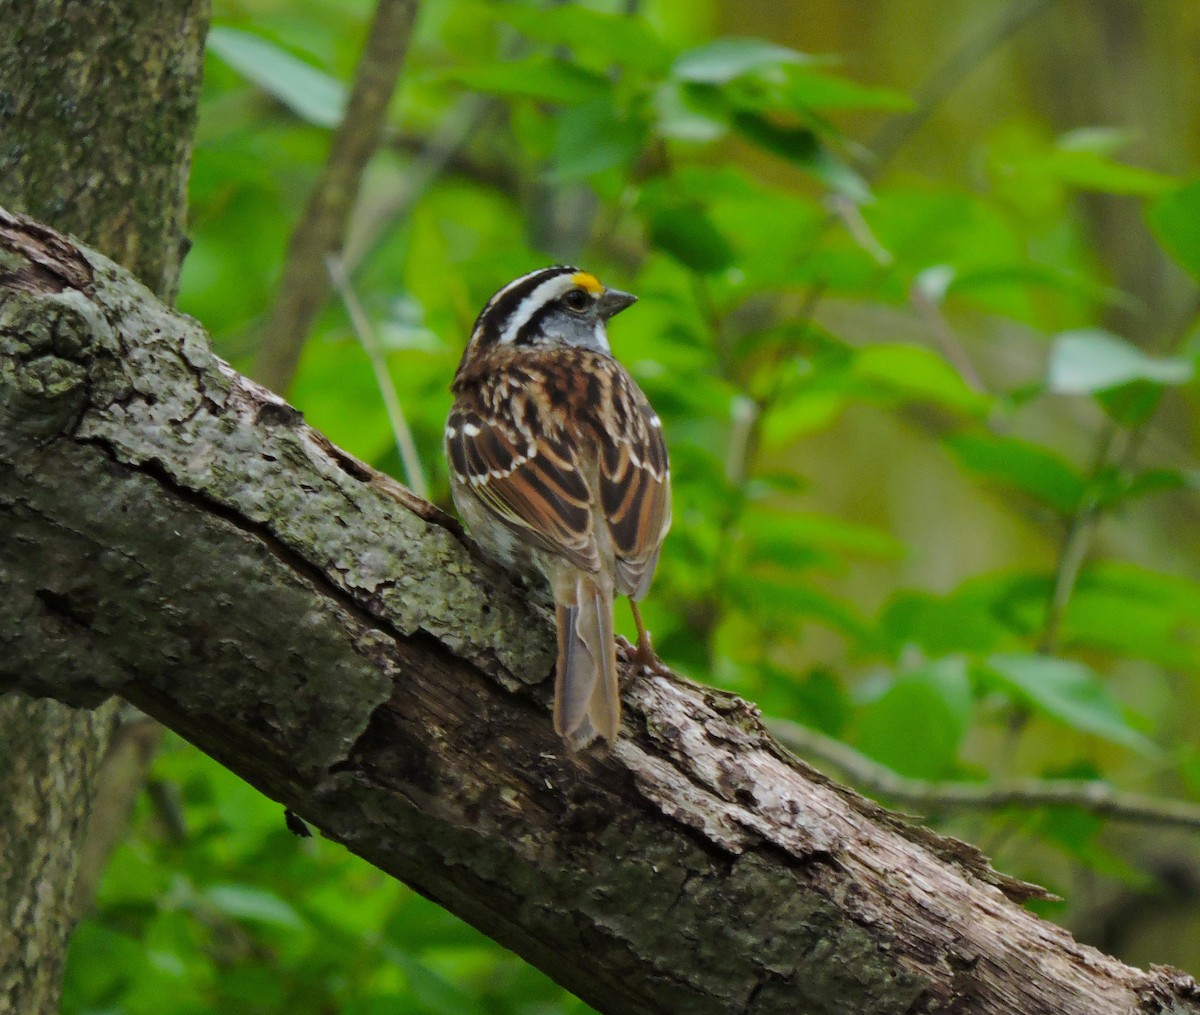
921, 319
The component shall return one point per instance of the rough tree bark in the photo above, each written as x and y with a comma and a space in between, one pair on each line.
178, 536
97, 111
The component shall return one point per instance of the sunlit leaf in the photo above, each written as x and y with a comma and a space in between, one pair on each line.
725, 59
681, 116
1097, 140
1069, 692
813, 89
934, 281
804, 413
307, 91
245, 902
533, 78
1091, 360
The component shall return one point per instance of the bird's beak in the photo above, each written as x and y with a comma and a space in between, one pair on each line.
613, 301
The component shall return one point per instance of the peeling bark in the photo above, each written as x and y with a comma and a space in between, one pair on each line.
178, 536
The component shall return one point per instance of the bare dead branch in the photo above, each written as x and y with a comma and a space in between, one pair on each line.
1097, 798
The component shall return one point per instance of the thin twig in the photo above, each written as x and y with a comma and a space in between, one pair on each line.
391, 400
1094, 797
322, 228
947, 341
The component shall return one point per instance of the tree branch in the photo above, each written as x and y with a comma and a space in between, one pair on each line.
322, 228
176, 534
1097, 798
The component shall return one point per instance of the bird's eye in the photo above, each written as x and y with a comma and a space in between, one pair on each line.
577, 300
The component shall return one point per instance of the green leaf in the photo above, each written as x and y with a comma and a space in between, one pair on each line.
817, 699
959, 622
681, 115
1031, 468
1135, 613
917, 724
803, 413
1088, 170
726, 59
1115, 486
591, 138
811, 89
1175, 219
771, 532
1069, 692
622, 39
919, 374
1131, 404
788, 601
800, 146
684, 230
1091, 360
434, 992
308, 92
242, 902
1097, 140
534, 78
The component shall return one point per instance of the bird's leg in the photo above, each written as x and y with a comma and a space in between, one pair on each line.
644, 656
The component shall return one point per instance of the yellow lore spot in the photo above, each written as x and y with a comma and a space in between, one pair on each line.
588, 281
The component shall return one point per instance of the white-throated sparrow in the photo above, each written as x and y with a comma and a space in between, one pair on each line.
557, 465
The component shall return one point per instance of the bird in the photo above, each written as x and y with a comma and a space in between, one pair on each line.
559, 467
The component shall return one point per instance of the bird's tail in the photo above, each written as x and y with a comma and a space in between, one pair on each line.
587, 695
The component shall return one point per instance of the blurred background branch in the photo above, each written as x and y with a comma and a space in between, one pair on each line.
321, 230
1096, 798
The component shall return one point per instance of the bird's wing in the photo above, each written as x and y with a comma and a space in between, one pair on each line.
635, 489
533, 485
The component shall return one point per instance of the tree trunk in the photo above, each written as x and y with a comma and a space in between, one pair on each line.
97, 110
181, 538
48, 765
